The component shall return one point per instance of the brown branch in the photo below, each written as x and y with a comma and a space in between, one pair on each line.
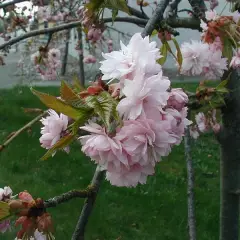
21, 130
137, 13
88, 206
156, 18
6, 4
190, 186
65, 197
175, 23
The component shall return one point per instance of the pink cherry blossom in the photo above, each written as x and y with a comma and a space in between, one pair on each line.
139, 53
235, 62
194, 132
146, 140
178, 99
4, 226
5, 192
130, 177
211, 15
101, 148
236, 17
142, 94
201, 122
54, 58
54, 125
195, 57
217, 65
216, 45
178, 122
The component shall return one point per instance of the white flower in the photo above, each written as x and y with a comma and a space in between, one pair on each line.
195, 57
139, 53
5, 192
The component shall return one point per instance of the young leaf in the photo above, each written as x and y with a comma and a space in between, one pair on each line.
114, 15
104, 106
154, 33
58, 105
179, 54
227, 49
164, 52
4, 210
222, 84
62, 143
120, 5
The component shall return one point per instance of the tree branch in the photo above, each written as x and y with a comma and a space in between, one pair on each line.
6, 4
190, 186
65, 197
156, 18
172, 9
137, 13
21, 130
88, 206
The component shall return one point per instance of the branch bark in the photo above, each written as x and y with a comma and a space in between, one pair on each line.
175, 23
65, 57
65, 197
18, 132
156, 18
88, 206
80, 60
230, 161
190, 186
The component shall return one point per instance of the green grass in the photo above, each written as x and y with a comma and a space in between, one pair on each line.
155, 211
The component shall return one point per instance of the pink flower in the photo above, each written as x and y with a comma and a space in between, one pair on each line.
236, 17
195, 58
94, 34
201, 122
216, 45
142, 94
54, 126
5, 192
177, 99
101, 148
130, 177
138, 54
211, 15
194, 132
54, 58
89, 59
178, 122
235, 62
217, 65
39, 236
25, 196
4, 226
146, 141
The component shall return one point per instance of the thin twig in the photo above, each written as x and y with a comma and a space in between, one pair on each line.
88, 206
21, 130
190, 186
65, 197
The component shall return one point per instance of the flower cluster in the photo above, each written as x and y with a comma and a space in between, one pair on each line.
47, 62
206, 57
153, 115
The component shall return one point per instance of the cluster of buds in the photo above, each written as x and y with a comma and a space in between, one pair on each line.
164, 36
31, 215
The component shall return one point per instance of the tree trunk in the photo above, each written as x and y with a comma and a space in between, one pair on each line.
65, 56
80, 61
230, 161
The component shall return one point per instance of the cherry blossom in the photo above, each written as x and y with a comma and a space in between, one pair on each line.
195, 57
201, 122
142, 94
235, 62
177, 99
54, 126
139, 53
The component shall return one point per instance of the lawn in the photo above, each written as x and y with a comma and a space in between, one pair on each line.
155, 211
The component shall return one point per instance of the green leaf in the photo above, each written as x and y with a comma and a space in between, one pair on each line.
170, 50
62, 143
104, 106
71, 98
114, 14
154, 33
58, 105
120, 5
164, 52
227, 49
179, 54
222, 84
